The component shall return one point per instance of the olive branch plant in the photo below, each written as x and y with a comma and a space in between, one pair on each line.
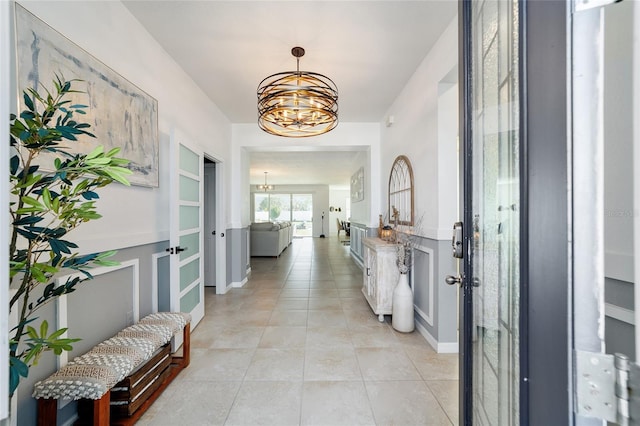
44, 207
406, 238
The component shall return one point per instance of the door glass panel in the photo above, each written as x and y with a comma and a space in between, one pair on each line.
189, 273
189, 189
189, 161
280, 207
191, 245
260, 207
190, 300
302, 214
495, 269
189, 217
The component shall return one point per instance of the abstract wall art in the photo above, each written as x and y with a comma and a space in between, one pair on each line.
120, 114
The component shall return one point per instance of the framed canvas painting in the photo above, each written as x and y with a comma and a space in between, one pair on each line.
120, 114
357, 185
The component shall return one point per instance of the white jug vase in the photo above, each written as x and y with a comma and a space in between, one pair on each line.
402, 318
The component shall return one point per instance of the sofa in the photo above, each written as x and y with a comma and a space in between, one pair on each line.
270, 238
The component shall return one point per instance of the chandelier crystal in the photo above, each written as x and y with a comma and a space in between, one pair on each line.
265, 187
297, 103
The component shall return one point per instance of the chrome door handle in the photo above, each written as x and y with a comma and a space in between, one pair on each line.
451, 280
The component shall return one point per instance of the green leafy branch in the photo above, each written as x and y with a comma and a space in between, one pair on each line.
46, 206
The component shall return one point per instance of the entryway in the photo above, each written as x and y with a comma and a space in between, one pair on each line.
299, 344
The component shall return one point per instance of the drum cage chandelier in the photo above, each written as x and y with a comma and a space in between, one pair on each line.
297, 103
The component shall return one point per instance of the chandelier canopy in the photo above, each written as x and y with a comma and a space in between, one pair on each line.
265, 187
297, 103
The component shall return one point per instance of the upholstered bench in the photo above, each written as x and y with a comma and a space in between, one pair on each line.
117, 380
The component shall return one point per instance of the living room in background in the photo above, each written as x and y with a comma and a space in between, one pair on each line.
294, 208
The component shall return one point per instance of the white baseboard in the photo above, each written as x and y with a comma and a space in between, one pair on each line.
358, 261
441, 348
239, 284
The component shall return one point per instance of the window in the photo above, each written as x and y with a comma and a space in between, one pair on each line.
401, 191
294, 208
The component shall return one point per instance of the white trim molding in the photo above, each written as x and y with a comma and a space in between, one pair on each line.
620, 314
440, 347
238, 284
154, 278
428, 316
61, 302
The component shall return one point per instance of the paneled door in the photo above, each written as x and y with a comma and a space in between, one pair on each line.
186, 217
491, 284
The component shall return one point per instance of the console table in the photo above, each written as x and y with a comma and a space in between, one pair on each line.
380, 275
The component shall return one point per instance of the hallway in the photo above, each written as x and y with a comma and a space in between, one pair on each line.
299, 345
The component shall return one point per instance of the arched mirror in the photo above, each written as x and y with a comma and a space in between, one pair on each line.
401, 191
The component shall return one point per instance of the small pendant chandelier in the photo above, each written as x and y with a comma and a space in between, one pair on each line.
297, 103
265, 187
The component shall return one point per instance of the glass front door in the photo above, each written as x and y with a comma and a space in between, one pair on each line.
492, 213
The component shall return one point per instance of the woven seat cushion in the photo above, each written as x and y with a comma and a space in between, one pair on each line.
91, 375
178, 319
162, 332
154, 338
121, 365
75, 381
147, 347
136, 355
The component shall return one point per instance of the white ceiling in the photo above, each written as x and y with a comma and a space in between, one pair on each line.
332, 168
370, 49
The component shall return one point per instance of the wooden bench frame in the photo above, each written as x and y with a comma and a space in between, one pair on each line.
101, 408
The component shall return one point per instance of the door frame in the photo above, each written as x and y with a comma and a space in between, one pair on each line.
545, 286
221, 229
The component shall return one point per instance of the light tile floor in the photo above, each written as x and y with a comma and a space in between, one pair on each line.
299, 345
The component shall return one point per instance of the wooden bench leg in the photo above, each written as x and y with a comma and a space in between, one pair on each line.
100, 416
102, 410
47, 412
184, 360
186, 345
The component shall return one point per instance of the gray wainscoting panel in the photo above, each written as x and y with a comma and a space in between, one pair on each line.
358, 232
436, 302
164, 280
144, 254
236, 255
95, 311
100, 308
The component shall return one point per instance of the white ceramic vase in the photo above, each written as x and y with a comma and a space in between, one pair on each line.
402, 318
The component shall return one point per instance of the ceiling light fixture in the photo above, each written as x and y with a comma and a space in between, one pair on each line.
265, 187
297, 103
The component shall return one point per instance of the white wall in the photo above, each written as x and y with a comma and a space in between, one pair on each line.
110, 33
364, 137
425, 128
417, 112
337, 198
366, 211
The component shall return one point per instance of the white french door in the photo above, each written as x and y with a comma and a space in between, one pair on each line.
186, 220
